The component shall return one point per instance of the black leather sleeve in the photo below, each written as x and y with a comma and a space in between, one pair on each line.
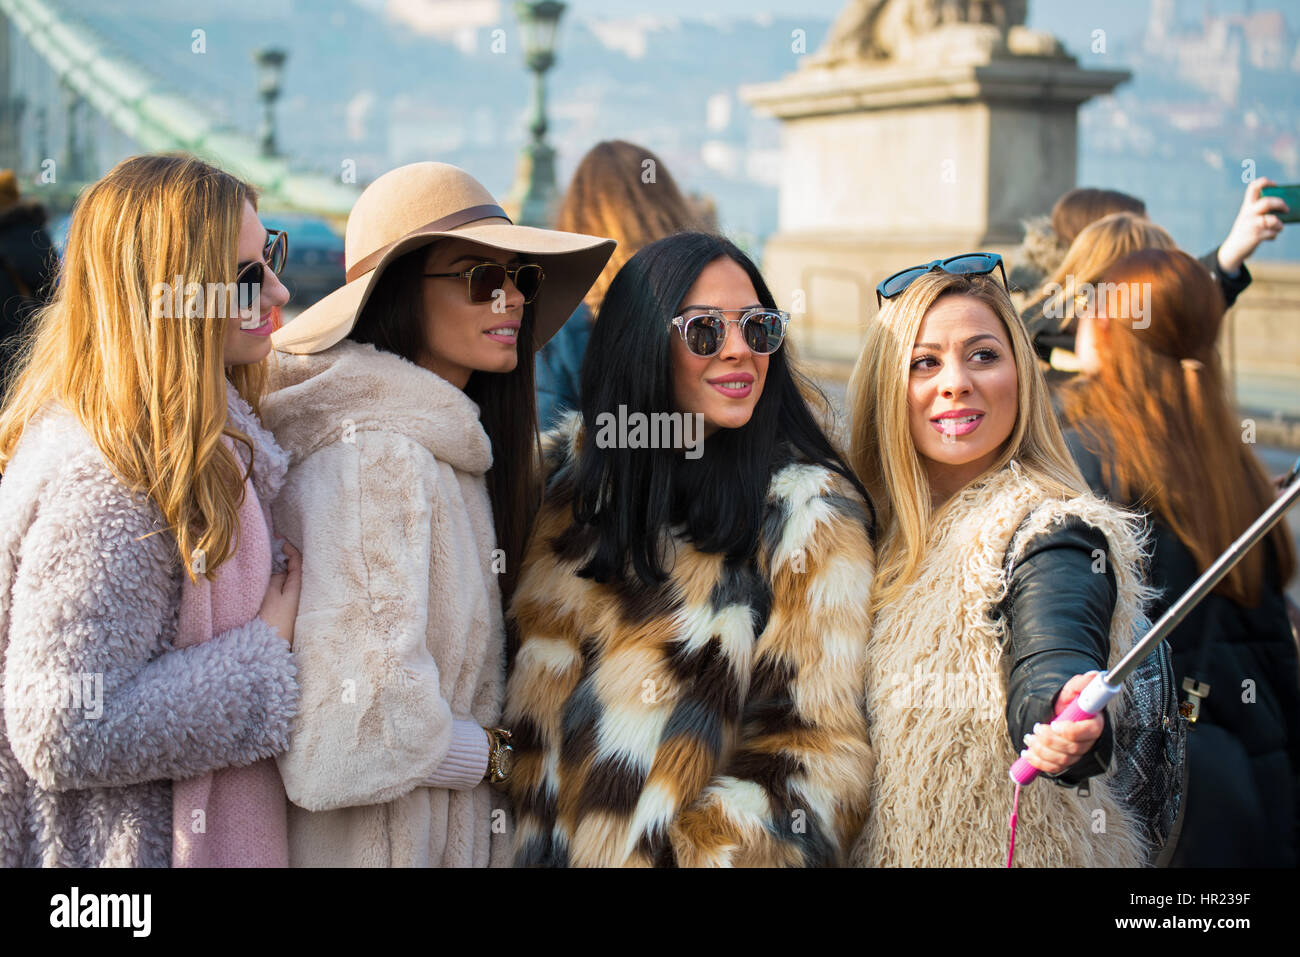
1230, 286
1058, 612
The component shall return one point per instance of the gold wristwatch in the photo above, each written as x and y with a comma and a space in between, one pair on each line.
501, 758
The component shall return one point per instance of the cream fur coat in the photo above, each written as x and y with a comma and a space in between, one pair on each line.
399, 629
936, 699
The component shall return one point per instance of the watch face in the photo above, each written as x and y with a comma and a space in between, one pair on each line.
505, 762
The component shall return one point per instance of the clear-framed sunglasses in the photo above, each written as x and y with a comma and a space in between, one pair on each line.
704, 330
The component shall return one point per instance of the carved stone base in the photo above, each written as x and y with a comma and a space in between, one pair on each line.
888, 166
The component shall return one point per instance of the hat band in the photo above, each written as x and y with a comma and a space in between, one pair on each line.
451, 221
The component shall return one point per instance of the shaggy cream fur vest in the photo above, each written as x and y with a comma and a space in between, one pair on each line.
936, 698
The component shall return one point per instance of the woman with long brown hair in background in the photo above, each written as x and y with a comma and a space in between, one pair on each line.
1151, 426
625, 192
143, 637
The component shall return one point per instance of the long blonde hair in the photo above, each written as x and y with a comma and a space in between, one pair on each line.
625, 192
881, 449
150, 390
1098, 246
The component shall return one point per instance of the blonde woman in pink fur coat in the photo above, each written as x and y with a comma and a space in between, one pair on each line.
144, 640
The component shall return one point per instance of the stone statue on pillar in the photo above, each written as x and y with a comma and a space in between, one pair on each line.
922, 128
946, 31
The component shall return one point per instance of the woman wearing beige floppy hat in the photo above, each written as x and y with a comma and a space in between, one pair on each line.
405, 400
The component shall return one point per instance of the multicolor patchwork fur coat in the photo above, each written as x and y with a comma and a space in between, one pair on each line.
717, 720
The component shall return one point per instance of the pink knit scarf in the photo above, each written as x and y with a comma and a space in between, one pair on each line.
233, 817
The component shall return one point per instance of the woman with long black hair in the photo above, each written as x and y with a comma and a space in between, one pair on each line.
692, 610
405, 400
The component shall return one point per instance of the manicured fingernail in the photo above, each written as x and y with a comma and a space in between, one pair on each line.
1038, 729
1028, 738
1025, 753
1058, 726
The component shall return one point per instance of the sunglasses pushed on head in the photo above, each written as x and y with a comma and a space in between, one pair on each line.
967, 264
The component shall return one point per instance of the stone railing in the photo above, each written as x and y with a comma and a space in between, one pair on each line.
1261, 350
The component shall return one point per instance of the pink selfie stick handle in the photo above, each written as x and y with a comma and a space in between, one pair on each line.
1089, 704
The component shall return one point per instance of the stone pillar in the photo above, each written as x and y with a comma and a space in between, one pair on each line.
891, 163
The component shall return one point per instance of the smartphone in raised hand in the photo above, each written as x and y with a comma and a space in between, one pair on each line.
1289, 194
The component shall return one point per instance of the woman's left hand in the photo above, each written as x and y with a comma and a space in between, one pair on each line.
1055, 747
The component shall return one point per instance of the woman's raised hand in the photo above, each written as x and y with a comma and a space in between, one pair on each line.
1256, 221
1055, 747
280, 606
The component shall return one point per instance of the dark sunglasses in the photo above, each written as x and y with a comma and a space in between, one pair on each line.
485, 279
250, 276
967, 264
705, 331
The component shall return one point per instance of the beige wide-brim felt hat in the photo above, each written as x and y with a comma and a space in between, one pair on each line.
416, 205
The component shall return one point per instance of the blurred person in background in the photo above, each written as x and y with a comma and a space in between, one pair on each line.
1151, 426
1256, 221
623, 191
1048, 238
1051, 318
27, 266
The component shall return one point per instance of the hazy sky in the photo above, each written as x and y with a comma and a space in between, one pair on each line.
1062, 16
1091, 14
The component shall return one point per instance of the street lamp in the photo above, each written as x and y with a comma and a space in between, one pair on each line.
75, 163
270, 69
534, 192
11, 154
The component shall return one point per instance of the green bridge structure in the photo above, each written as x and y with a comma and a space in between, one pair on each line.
100, 88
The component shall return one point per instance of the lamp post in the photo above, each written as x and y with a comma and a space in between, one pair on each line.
532, 197
270, 69
76, 164
11, 121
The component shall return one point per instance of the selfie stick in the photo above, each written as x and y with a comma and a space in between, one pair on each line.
1106, 685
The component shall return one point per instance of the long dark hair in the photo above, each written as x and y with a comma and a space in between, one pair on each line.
624, 500
393, 320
